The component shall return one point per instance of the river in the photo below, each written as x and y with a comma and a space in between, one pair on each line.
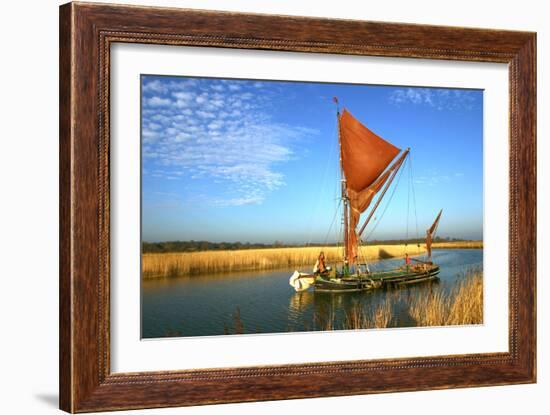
264, 302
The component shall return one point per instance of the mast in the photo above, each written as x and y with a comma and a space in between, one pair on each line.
364, 161
344, 196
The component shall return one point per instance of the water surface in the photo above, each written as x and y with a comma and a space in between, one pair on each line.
264, 302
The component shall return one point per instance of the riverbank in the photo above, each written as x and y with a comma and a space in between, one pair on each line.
193, 263
461, 306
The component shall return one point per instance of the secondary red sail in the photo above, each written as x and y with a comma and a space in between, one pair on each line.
359, 202
430, 233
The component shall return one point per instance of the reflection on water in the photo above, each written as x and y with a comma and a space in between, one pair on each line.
330, 310
263, 302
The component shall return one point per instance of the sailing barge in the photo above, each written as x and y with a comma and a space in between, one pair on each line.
368, 166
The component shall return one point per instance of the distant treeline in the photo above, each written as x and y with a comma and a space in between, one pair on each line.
196, 246
412, 241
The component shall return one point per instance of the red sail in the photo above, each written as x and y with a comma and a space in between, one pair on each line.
365, 156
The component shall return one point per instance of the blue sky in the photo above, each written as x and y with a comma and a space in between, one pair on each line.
257, 161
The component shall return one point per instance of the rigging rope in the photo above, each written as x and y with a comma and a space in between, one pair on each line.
386, 206
320, 194
405, 248
332, 222
414, 203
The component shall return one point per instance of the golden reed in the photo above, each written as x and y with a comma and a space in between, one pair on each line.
193, 263
359, 318
464, 305
459, 245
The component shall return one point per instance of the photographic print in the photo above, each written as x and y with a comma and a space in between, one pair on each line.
284, 206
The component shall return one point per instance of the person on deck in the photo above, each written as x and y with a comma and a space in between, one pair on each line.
320, 266
407, 262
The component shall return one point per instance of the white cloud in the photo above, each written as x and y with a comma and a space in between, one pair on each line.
154, 126
240, 201
158, 102
215, 125
205, 114
220, 131
433, 177
149, 135
450, 99
201, 99
154, 86
181, 137
185, 96
217, 87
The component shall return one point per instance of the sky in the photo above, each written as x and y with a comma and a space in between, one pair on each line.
257, 161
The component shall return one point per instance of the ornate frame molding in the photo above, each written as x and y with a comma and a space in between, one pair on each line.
86, 33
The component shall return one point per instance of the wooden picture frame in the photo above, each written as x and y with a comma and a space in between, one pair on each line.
86, 33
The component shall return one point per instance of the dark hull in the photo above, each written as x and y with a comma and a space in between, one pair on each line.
363, 282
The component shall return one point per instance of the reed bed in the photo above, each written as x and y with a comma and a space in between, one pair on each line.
463, 305
155, 265
458, 245
360, 318
193, 263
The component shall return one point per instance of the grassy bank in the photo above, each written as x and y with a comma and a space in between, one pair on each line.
193, 263
463, 305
